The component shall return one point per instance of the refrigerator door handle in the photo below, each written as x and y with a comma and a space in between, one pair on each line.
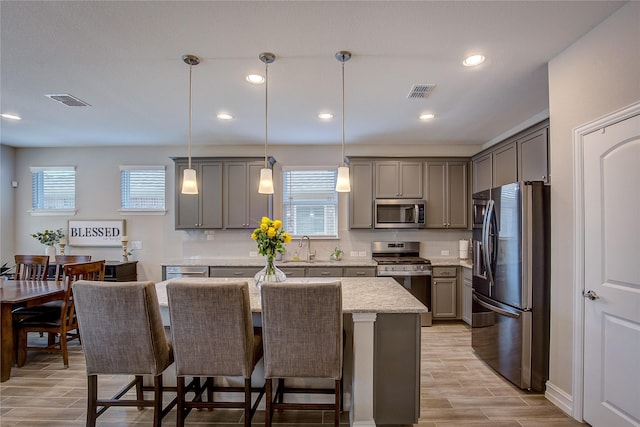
498, 310
487, 252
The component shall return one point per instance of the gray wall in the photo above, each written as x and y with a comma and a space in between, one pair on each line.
7, 204
598, 74
98, 193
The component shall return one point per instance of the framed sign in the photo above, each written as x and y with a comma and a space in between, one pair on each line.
95, 233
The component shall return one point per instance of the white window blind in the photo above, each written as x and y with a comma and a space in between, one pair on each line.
53, 188
142, 188
310, 202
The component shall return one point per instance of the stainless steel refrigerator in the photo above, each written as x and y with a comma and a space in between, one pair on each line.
510, 319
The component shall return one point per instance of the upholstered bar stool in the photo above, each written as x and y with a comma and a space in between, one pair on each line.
302, 333
122, 334
213, 336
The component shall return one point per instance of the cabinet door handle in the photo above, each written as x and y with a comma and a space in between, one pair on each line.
360, 273
324, 273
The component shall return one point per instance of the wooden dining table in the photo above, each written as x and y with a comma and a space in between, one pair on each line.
21, 293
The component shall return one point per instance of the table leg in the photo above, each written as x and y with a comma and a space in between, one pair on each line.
362, 389
6, 342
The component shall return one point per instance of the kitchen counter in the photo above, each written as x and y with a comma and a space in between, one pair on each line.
375, 310
447, 262
259, 262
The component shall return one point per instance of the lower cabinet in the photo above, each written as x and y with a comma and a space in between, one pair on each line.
293, 271
444, 295
467, 295
290, 271
233, 271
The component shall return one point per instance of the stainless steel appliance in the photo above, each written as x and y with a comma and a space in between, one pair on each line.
510, 311
399, 213
401, 261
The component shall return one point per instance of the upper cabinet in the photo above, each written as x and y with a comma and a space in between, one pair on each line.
202, 210
523, 157
533, 157
446, 194
505, 165
361, 194
244, 206
398, 179
227, 194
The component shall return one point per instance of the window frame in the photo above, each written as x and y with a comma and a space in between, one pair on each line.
284, 171
139, 210
35, 211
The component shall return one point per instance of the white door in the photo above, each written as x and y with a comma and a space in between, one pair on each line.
612, 273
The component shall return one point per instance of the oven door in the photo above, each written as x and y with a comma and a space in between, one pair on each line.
420, 287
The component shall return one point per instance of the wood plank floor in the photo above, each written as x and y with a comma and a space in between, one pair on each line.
457, 389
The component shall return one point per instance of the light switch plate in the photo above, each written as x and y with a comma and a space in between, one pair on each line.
444, 253
136, 244
353, 253
362, 253
253, 253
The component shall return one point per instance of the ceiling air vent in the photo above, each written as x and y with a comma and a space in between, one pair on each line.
68, 100
420, 91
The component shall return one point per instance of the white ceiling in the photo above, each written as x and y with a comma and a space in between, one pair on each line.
124, 58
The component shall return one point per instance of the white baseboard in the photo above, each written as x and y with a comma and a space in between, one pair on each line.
559, 397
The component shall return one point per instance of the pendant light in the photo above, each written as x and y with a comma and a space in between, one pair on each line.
343, 183
266, 174
189, 180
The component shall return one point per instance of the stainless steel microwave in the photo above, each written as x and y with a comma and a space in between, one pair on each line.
399, 213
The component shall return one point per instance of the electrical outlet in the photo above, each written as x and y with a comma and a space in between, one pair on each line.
253, 253
136, 244
444, 253
362, 253
353, 253
210, 237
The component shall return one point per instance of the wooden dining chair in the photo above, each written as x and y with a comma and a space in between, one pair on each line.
63, 324
31, 267
303, 338
61, 260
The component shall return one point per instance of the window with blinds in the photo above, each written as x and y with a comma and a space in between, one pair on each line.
142, 188
53, 188
310, 202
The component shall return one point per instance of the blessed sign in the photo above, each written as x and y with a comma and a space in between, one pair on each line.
95, 233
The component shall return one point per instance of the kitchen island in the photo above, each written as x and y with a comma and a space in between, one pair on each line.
382, 350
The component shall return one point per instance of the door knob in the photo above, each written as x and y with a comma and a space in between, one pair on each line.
591, 295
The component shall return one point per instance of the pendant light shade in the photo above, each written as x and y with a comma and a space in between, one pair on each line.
343, 183
266, 175
189, 179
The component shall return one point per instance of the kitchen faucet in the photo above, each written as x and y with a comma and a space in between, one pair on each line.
310, 256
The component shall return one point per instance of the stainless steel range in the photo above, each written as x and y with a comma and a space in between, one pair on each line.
402, 262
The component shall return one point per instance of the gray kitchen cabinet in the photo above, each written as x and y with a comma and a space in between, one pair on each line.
482, 173
359, 272
398, 179
533, 156
293, 271
202, 210
361, 194
505, 165
444, 298
246, 272
446, 194
324, 271
467, 294
243, 205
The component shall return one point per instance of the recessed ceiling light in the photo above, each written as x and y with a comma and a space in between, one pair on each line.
224, 116
256, 79
11, 116
325, 116
427, 116
473, 60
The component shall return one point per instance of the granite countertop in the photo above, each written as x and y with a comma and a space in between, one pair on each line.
359, 295
259, 262
447, 262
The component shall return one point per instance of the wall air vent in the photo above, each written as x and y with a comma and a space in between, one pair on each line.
420, 91
68, 100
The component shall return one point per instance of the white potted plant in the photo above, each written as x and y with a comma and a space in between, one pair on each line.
49, 238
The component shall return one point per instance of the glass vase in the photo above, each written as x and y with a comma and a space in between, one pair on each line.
270, 273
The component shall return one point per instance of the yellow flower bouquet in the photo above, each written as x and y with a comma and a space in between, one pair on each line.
270, 237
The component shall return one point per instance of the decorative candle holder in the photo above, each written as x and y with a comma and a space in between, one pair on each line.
62, 246
125, 252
